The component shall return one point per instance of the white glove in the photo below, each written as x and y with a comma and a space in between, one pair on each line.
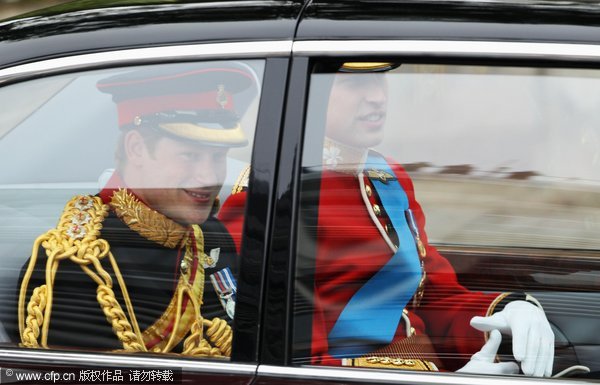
482, 362
532, 336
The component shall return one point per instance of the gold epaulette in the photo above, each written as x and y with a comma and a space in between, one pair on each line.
76, 238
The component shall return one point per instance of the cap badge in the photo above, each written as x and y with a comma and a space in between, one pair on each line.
222, 96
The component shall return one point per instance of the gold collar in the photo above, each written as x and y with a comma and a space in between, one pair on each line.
343, 158
149, 223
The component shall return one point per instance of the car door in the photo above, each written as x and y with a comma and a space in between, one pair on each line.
59, 136
496, 144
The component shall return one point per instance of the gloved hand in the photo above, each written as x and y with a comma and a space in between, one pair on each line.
532, 336
482, 362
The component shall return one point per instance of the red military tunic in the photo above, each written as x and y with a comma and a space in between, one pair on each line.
351, 249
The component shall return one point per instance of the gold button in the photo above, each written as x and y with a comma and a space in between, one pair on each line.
184, 266
368, 191
377, 210
387, 228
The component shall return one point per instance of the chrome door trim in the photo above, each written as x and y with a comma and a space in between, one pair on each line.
383, 376
237, 50
458, 48
95, 360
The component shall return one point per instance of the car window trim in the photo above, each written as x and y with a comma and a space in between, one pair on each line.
444, 48
94, 360
385, 376
234, 50
156, 55
462, 49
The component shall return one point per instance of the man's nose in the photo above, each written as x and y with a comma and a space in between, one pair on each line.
206, 173
377, 95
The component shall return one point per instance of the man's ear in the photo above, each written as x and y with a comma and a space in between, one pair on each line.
135, 148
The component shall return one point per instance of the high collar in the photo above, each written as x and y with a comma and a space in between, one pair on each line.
343, 158
114, 184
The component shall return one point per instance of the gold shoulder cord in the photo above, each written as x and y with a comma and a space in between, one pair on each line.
76, 238
218, 331
178, 319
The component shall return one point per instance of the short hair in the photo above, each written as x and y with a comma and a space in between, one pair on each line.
150, 135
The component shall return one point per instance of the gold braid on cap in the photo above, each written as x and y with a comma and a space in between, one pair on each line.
77, 239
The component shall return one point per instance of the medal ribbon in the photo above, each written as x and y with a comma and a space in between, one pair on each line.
226, 287
371, 317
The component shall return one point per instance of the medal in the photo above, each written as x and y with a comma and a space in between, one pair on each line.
226, 288
211, 260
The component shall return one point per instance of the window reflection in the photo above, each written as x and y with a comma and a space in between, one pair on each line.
498, 169
138, 261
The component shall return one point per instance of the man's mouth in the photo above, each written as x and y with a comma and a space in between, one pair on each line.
199, 196
372, 117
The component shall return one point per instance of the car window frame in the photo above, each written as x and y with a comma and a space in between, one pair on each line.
275, 54
277, 363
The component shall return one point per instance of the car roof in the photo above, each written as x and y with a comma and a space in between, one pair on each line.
84, 26
516, 20
79, 27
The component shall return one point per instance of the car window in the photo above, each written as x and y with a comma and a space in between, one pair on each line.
504, 164
110, 191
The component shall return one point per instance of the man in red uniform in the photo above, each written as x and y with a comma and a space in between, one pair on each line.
380, 288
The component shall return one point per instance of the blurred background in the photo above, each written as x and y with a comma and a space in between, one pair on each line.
10, 8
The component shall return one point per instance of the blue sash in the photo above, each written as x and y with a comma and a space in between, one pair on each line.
372, 315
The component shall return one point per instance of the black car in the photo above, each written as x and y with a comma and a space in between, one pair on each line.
490, 110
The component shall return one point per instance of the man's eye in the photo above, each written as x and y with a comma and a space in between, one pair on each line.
188, 155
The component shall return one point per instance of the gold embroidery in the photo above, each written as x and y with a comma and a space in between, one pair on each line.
241, 183
76, 238
177, 324
149, 223
391, 363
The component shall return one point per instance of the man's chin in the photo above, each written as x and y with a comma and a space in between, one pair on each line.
194, 220
184, 218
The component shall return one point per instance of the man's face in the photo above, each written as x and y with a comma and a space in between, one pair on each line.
357, 109
180, 179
